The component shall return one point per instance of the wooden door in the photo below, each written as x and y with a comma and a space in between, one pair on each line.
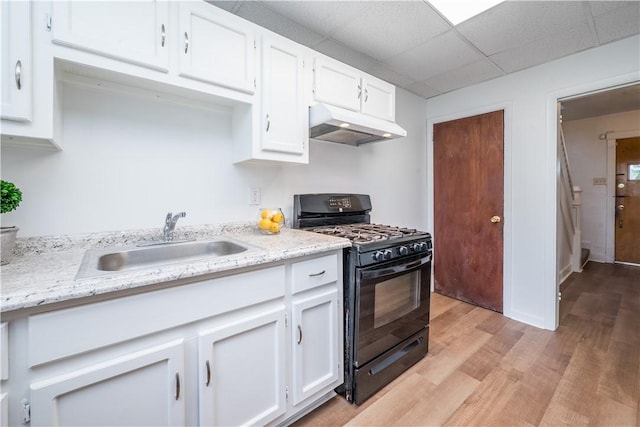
468, 203
627, 217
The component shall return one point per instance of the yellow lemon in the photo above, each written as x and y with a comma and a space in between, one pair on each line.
265, 214
278, 217
275, 227
265, 224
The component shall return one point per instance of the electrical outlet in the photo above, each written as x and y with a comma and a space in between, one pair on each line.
254, 196
599, 181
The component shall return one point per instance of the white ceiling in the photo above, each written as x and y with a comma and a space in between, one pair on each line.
410, 44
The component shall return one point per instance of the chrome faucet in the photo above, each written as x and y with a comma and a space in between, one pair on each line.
170, 224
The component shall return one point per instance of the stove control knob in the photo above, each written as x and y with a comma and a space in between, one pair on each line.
415, 247
402, 250
378, 256
387, 254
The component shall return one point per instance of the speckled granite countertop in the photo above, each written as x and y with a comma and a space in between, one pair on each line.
43, 270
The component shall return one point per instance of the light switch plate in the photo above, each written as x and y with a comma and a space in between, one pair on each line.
254, 196
599, 181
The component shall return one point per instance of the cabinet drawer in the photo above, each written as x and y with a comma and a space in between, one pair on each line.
314, 272
75, 330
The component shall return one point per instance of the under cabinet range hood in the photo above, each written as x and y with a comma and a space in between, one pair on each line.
335, 124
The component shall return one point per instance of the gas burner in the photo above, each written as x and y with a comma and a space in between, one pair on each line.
363, 233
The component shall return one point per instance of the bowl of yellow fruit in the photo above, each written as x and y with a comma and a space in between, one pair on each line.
271, 220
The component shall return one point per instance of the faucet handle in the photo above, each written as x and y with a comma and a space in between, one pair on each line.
167, 220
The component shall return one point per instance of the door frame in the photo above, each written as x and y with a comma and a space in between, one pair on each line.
507, 107
610, 232
550, 264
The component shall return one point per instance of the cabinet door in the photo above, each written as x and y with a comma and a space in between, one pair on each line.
242, 365
285, 118
142, 388
216, 47
131, 31
16, 60
378, 98
315, 337
336, 84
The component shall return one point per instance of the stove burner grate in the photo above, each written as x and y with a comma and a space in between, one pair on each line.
367, 233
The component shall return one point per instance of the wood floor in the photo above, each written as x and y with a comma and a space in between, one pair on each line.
486, 370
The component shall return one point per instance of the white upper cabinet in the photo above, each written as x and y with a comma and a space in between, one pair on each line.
16, 60
338, 84
285, 118
132, 31
216, 47
378, 98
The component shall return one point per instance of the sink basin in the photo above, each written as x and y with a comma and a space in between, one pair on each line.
98, 262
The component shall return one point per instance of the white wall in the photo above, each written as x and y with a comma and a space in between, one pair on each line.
588, 158
128, 159
530, 192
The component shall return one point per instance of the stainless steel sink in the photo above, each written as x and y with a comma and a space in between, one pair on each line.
98, 262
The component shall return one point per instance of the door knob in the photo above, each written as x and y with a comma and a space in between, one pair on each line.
620, 207
495, 219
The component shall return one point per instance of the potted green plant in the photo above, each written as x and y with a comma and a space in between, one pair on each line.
10, 198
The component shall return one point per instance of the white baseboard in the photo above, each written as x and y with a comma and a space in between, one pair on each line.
564, 273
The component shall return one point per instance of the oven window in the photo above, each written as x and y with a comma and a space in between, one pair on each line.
396, 297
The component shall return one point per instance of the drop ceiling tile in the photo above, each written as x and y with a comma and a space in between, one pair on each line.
436, 56
601, 7
516, 23
423, 90
387, 28
228, 5
382, 71
257, 13
543, 50
323, 17
466, 75
619, 23
345, 54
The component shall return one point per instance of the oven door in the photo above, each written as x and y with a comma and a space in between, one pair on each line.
392, 304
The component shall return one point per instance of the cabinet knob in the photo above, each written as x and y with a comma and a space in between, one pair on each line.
19, 74
177, 386
208, 379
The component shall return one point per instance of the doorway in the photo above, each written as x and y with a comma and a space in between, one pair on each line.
468, 165
627, 204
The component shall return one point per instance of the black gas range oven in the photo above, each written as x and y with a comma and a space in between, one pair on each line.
387, 285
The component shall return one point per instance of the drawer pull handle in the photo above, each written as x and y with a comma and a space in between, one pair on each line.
163, 35
186, 42
208, 374
177, 386
317, 274
299, 334
19, 74
268, 123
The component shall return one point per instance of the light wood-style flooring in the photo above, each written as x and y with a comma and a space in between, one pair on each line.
484, 369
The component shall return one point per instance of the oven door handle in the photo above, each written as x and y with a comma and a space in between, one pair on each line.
402, 268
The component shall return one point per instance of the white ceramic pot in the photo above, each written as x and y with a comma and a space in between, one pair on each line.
8, 235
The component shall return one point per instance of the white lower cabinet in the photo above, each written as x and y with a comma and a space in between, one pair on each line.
141, 388
244, 372
259, 347
316, 351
